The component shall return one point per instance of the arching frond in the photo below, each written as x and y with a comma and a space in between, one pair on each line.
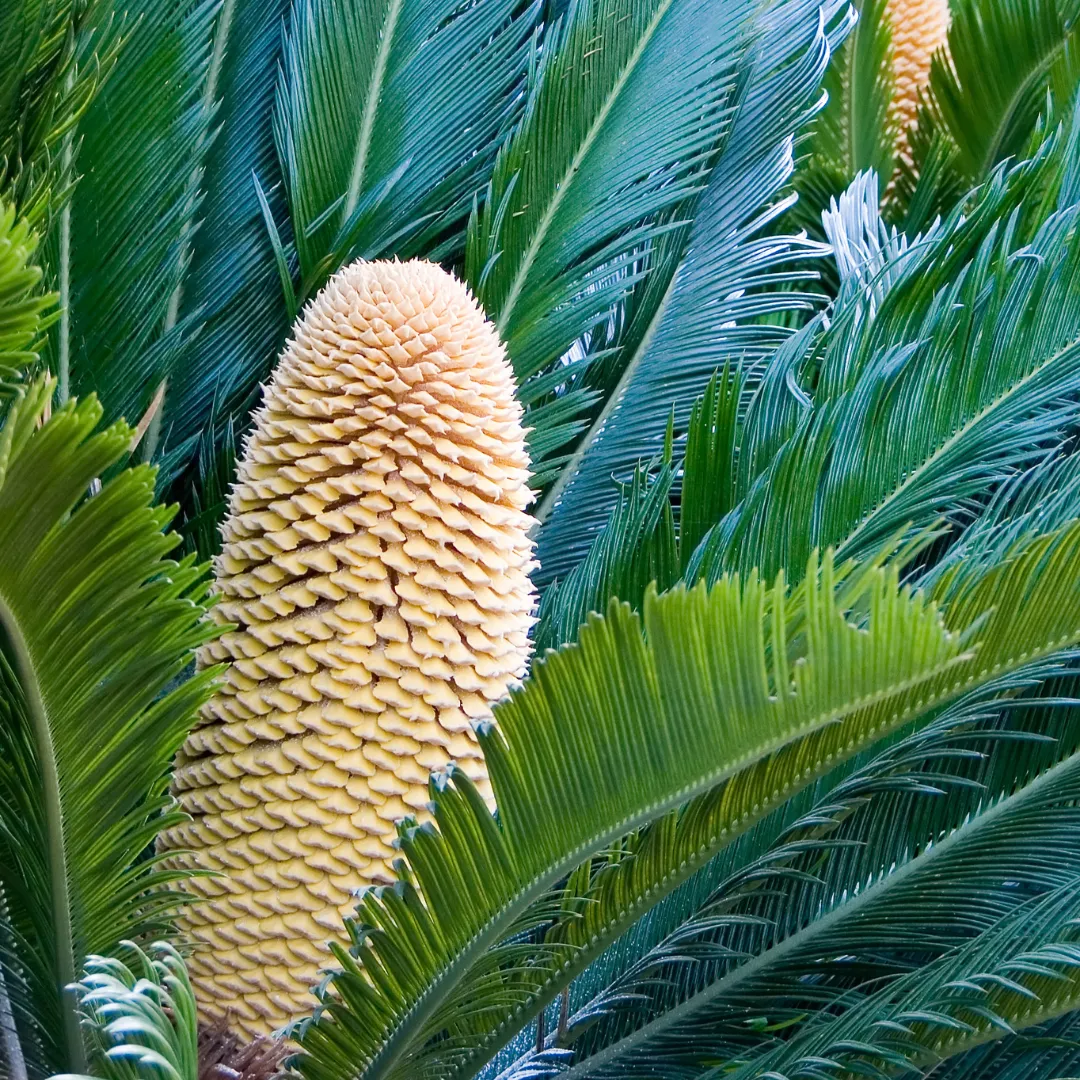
666, 855
1028, 504
1006, 61
96, 624
1019, 973
140, 1013
376, 153
914, 862
586, 693
231, 288
924, 398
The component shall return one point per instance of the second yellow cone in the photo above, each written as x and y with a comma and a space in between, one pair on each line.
376, 560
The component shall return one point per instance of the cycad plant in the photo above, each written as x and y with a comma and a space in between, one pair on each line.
723, 358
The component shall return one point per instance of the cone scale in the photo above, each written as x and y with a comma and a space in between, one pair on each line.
375, 562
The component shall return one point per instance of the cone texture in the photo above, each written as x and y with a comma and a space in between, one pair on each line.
376, 560
919, 29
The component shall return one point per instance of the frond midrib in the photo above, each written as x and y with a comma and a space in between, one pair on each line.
371, 108
56, 856
517, 284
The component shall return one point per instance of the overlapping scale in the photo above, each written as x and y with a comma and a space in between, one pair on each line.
376, 562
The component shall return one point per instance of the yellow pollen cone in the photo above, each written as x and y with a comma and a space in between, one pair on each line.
376, 561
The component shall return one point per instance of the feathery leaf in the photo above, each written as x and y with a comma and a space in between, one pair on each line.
97, 622
132, 212
717, 306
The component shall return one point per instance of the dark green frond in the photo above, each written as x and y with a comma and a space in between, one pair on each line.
925, 395
1007, 63
855, 131
1019, 973
1046, 1052
132, 212
24, 306
896, 866
231, 287
718, 306
612, 734
378, 156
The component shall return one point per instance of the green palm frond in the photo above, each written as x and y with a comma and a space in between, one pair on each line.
1031, 503
559, 198
855, 131
125, 238
853, 894
97, 623
471, 871
378, 156
24, 307
209, 478
1020, 973
231, 289
1002, 59
569, 249
924, 398
719, 304
54, 54
140, 1012
667, 853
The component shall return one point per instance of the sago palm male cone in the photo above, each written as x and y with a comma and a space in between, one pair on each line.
919, 28
376, 562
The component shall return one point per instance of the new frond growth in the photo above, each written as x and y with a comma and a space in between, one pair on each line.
139, 1014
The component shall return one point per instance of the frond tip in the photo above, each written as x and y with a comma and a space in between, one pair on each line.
376, 564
